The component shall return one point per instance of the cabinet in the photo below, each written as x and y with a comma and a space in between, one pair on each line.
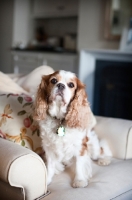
57, 8
65, 62
25, 62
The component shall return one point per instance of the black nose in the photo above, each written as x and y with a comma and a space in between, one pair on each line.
61, 86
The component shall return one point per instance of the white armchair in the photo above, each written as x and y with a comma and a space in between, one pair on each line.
23, 173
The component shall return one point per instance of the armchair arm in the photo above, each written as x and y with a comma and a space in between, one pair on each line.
118, 133
22, 168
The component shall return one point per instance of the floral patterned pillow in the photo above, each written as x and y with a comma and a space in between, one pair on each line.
16, 122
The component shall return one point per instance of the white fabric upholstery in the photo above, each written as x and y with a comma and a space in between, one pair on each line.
108, 183
118, 133
21, 175
129, 144
22, 168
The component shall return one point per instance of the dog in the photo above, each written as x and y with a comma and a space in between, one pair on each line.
66, 124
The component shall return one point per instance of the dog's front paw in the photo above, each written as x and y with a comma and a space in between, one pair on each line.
104, 161
79, 183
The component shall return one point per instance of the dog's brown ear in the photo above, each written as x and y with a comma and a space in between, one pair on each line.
79, 113
40, 105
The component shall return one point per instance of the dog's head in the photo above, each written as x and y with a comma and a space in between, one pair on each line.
62, 95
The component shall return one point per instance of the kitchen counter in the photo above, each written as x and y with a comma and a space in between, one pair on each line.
45, 50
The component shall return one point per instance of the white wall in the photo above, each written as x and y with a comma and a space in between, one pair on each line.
91, 26
6, 22
22, 28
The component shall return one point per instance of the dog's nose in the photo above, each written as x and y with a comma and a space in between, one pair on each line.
61, 86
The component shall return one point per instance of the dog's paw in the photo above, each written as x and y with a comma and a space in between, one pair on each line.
104, 161
80, 183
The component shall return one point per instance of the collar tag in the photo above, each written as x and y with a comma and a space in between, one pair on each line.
61, 131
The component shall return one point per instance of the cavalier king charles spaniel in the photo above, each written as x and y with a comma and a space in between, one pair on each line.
66, 125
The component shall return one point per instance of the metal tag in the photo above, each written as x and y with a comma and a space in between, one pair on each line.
61, 131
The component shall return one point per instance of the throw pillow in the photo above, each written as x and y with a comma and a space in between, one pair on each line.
16, 121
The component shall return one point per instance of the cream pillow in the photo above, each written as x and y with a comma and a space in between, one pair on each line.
31, 81
16, 122
7, 85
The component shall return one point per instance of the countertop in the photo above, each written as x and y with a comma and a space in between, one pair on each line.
45, 50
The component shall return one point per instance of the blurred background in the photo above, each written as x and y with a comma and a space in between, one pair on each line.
92, 38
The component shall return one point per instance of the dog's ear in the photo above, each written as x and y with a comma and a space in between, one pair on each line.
79, 114
40, 105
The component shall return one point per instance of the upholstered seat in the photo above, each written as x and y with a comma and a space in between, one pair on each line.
108, 182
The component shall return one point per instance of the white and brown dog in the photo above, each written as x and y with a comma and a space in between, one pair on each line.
66, 123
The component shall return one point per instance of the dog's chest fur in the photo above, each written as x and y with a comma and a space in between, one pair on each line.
65, 147
57, 108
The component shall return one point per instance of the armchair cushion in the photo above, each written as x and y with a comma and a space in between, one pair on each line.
113, 182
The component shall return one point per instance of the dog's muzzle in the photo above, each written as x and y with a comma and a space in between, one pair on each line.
61, 86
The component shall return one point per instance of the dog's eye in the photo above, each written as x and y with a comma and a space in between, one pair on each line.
71, 85
53, 80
